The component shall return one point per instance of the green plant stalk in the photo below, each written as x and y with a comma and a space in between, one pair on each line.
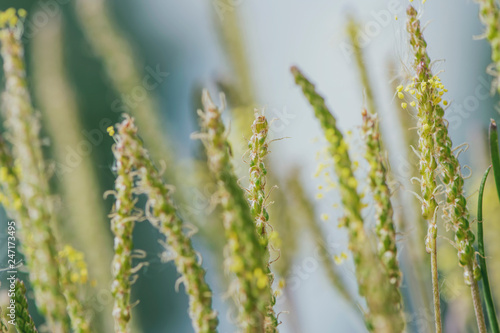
78, 183
384, 314
495, 157
489, 14
123, 218
24, 322
488, 298
37, 232
455, 210
246, 256
257, 196
162, 213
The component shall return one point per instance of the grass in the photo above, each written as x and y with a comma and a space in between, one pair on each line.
254, 240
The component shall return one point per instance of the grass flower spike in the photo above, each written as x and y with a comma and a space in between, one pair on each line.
246, 256
377, 175
429, 90
377, 178
123, 218
258, 146
29, 181
384, 313
257, 195
162, 213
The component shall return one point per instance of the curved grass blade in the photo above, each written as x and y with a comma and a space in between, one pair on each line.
488, 299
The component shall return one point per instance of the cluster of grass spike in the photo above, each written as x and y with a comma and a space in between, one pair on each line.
384, 313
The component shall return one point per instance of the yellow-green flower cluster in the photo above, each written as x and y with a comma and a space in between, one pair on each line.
428, 91
489, 13
25, 178
245, 256
384, 312
23, 320
162, 213
123, 218
74, 273
257, 195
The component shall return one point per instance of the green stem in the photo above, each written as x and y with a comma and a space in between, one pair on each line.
488, 299
435, 286
495, 158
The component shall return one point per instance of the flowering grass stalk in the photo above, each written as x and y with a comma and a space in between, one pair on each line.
246, 256
258, 146
428, 91
489, 13
74, 274
257, 196
384, 312
378, 175
162, 213
377, 179
24, 322
428, 165
123, 218
32, 189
